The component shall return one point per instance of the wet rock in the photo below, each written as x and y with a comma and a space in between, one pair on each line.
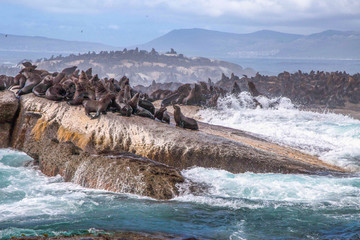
8, 109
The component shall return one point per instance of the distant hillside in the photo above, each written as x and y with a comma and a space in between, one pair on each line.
143, 67
262, 44
14, 48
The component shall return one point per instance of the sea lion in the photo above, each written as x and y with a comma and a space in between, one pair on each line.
147, 105
69, 71
253, 91
124, 109
235, 89
19, 82
127, 93
170, 99
194, 97
83, 78
123, 82
40, 89
59, 77
79, 94
162, 115
213, 100
182, 121
100, 90
89, 73
69, 87
31, 81
142, 112
134, 102
98, 106
55, 93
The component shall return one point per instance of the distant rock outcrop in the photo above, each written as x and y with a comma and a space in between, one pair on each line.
142, 67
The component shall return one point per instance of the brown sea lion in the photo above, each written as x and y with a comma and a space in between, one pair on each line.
162, 115
69, 71
83, 78
142, 112
127, 94
98, 106
194, 97
124, 81
79, 95
134, 102
235, 89
55, 93
253, 91
89, 73
182, 121
100, 90
147, 105
32, 80
40, 89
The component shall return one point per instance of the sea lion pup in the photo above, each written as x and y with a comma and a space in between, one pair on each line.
182, 121
134, 102
40, 89
69, 71
147, 105
55, 93
235, 89
253, 91
98, 106
32, 80
162, 115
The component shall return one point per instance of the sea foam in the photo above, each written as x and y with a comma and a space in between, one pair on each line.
335, 138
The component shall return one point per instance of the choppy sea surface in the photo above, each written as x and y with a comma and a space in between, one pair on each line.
274, 66
237, 206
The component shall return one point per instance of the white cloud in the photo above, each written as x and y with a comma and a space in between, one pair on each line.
262, 10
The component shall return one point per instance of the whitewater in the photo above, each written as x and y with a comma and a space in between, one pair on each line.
235, 206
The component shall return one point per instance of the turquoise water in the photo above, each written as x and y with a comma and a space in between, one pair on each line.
237, 206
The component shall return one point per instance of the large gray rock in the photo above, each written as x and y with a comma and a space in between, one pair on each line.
8, 107
211, 147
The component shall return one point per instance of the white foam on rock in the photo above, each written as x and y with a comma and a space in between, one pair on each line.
335, 138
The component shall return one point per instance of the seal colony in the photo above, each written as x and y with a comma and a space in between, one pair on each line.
96, 95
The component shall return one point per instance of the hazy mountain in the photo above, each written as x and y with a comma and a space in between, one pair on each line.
200, 42
14, 48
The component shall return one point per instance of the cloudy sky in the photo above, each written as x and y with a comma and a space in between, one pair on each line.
131, 22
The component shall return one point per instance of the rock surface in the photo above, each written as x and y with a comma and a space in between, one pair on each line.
164, 143
8, 108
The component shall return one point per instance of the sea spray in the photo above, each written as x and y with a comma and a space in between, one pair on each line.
235, 206
333, 137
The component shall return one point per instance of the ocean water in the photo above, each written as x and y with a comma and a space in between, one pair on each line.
274, 66
236, 206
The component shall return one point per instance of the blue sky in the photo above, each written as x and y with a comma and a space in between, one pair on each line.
125, 23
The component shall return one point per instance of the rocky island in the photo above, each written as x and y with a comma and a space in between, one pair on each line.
135, 155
